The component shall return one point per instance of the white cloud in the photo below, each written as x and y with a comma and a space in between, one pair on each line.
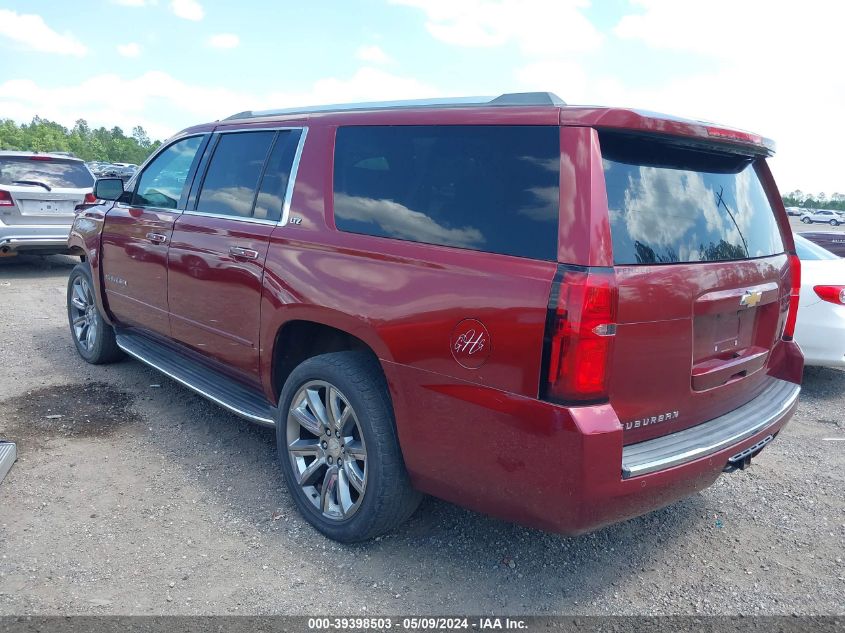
30, 31
183, 103
367, 84
373, 54
538, 27
760, 62
567, 78
130, 49
753, 27
400, 221
188, 9
224, 40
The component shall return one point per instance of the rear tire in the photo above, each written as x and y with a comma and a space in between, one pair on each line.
93, 337
338, 449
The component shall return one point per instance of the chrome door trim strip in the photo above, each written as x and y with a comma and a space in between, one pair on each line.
231, 217
294, 170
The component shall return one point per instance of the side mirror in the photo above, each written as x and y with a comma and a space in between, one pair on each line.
108, 188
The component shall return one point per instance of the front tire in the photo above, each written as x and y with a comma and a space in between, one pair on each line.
93, 337
834, 223
806, 220
338, 449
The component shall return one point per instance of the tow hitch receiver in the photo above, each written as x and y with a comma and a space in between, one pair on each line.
742, 460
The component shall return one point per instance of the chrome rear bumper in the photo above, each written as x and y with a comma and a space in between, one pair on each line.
713, 436
51, 236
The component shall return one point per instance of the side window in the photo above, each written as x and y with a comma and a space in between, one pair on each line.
274, 183
163, 180
485, 188
232, 177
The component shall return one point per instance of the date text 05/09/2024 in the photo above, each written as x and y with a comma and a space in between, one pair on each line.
417, 623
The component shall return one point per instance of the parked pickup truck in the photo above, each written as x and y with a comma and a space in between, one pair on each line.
562, 316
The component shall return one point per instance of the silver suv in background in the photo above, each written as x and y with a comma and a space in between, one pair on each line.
38, 195
834, 218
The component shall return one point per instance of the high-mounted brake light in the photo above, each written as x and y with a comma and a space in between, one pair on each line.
794, 295
90, 198
831, 294
44, 158
740, 136
6, 199
579, 335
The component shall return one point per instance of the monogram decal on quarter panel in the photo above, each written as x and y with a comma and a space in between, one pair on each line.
470, 343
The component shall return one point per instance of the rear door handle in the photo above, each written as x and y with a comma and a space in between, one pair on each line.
157, 238
243, 253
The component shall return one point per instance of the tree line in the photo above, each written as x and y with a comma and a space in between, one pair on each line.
101, 144
798, 198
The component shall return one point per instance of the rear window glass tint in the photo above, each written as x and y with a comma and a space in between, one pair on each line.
487, 188
670, 204
53, 172
232, 178
274, 183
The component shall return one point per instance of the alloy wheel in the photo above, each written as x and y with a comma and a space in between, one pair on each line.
327, 450
83, 313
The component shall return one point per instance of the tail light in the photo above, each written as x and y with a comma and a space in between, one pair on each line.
832, 294
6, 199
580, 329
90, 198
794, 293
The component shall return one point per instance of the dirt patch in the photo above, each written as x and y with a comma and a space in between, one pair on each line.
92, 409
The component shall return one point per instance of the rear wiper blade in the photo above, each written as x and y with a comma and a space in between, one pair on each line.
37, 183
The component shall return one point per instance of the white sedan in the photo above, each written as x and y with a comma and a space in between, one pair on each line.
820, 330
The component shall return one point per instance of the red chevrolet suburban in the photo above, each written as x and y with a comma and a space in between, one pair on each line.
558, 315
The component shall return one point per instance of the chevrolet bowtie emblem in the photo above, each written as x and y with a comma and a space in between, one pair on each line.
751, 299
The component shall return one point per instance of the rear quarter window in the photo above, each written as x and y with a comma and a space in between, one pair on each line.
672, 204
484, 188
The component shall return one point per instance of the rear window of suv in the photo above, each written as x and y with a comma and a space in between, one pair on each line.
486, 188
37, 171
671, 204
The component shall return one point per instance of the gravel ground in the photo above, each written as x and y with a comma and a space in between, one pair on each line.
143, 498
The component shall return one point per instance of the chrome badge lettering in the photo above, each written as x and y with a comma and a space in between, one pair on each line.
649, 420
118, 281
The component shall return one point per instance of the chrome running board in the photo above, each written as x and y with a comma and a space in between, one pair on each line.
196, 376
713, 436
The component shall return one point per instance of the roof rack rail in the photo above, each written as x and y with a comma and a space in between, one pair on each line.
508, 99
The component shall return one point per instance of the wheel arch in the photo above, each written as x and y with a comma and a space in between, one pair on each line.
85, 241
300, 338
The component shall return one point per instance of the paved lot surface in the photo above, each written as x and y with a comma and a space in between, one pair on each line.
143, 498
800, 227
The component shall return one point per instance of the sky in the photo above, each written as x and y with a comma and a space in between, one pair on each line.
771, 67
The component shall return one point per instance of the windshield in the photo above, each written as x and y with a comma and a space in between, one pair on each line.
670, 204
45, 172
807, 250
